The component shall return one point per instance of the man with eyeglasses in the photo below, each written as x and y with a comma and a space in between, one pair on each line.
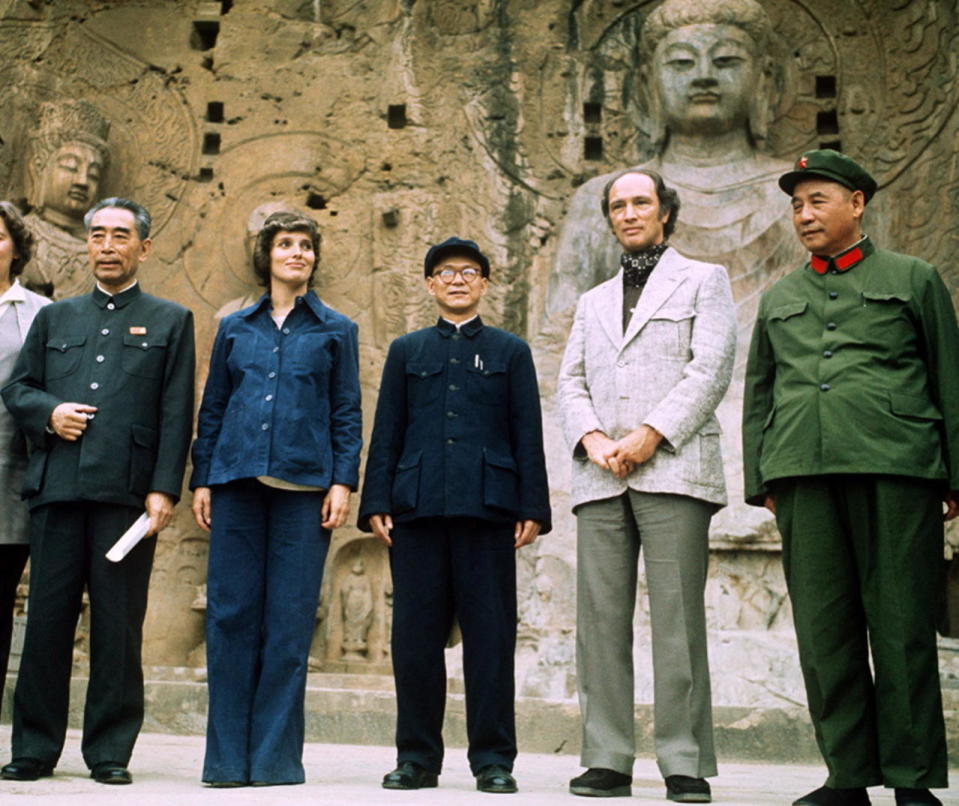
455, 482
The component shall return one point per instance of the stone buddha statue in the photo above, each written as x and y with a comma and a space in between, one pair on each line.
68, 157
708, 72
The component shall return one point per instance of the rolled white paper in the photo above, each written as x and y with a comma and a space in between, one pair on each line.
130, 538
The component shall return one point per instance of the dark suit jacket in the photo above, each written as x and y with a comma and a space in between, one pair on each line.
458, 430
131, 356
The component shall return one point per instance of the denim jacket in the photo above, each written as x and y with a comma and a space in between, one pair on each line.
281, 402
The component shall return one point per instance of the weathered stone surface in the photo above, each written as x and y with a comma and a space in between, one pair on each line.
398, 123
355, 709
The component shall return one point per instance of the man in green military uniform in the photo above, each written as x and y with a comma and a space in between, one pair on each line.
851, 437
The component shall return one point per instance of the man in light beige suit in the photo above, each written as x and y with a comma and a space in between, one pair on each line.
648, 359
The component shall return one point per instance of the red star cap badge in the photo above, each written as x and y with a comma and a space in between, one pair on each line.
802, 162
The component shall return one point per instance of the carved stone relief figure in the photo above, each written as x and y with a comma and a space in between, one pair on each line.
710, 91
357, 601
69, 155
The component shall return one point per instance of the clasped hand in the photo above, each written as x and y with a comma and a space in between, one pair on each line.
622, 456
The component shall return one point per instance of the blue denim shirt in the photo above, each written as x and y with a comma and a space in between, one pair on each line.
281, 402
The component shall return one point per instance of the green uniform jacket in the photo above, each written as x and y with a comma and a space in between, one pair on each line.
853, 371
131, 356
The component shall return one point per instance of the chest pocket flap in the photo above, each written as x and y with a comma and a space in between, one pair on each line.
143, 342
885, 296
783, 312
423, 369
64, 343
674, 313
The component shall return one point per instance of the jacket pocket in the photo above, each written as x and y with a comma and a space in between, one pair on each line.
406, 484
670, 330
63, 356
487, 385
919, 408
784, 312
424, 381
143, 455
144, 356
500, 482
710, 454
33, 477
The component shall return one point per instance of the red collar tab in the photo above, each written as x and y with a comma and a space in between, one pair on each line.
841, 262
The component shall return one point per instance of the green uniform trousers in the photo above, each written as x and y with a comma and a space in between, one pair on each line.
862, 556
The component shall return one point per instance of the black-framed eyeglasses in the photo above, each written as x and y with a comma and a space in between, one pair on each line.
469, 274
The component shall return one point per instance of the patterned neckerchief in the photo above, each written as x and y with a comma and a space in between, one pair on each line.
637, 266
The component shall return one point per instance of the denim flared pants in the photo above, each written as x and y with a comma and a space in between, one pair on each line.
267, 551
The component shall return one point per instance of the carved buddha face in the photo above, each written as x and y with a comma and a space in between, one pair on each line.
705, 76
70, 181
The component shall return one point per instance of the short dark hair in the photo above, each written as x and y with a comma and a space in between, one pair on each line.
283, 221
140, 214
22, 237
668, 197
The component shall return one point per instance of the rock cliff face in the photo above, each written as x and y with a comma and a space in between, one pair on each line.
397, 123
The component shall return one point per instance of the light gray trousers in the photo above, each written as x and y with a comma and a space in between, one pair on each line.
673, 532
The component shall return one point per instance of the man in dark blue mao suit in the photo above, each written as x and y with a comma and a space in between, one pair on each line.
455, 482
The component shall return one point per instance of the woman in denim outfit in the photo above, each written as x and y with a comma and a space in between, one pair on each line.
274, 462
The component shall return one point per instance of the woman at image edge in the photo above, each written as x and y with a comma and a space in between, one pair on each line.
274, 462
18, 307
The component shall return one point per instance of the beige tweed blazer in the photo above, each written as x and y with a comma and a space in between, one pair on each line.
669, 370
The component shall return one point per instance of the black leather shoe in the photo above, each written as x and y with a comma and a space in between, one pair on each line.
598, 782
915, 797
109, 772
827, 796
409, 775
685, 789
494, 778
26, 769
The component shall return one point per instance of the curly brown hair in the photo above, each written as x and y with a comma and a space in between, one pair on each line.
282, 221
22, 237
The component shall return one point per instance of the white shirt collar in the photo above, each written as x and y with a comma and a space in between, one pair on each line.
459, 325
14, 293
114, 293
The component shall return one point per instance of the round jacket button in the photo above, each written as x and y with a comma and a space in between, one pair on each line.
833, 294
825, 387
827, 354
94, 385
830, 326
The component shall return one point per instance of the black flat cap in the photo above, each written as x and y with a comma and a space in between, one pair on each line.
454, 246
